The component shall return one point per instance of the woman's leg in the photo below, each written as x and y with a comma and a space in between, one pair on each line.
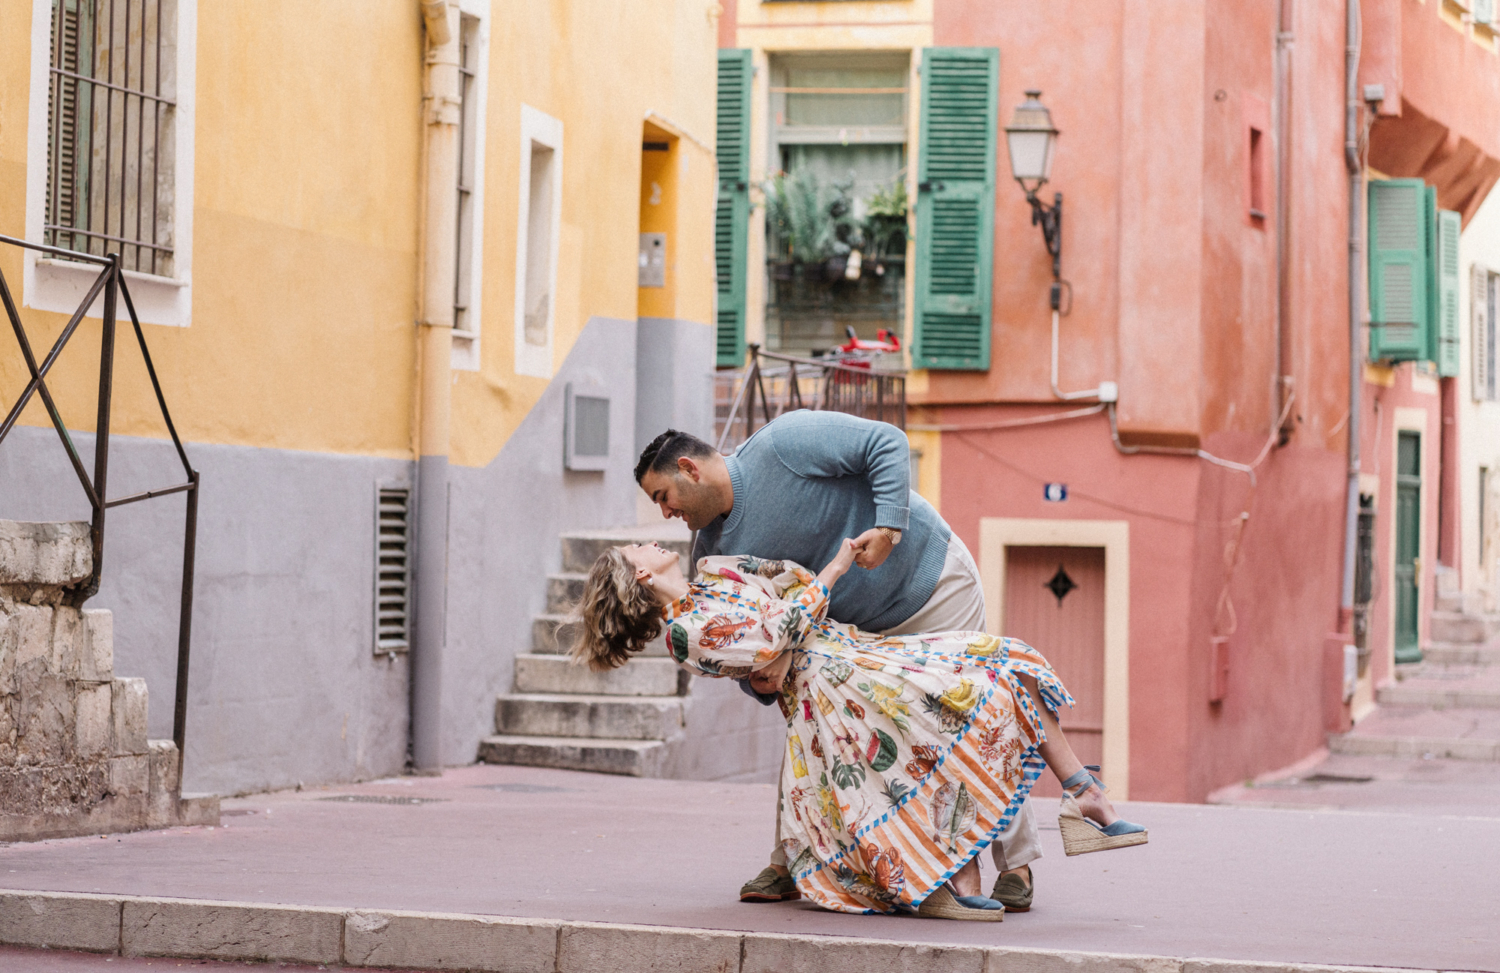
966, 880
1064, 763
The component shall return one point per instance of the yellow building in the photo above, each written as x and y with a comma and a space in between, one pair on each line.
381, 249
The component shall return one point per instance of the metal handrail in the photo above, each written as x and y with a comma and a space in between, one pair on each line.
878, 395
111, 283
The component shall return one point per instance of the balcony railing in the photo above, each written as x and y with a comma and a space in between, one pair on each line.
784, 383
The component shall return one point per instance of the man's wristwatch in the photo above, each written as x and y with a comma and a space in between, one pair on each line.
891, 534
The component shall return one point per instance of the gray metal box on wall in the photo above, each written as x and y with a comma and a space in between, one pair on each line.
653, 269
586, 428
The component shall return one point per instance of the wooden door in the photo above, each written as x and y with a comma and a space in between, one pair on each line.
1407, 595
1054, 602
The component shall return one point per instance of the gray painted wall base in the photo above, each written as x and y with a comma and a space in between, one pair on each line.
285, 687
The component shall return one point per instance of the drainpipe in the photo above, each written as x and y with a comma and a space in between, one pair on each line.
1282, 378
1356, 356
435, 343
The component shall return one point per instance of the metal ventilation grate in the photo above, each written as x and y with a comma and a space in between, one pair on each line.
392, 570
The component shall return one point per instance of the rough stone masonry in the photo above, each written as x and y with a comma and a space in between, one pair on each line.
74, 758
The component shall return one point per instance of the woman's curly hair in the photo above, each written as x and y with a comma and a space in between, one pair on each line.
619, 614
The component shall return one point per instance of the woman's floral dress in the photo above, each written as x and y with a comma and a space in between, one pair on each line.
906, 755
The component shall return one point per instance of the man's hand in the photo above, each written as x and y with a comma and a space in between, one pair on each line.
769, 679
872, 548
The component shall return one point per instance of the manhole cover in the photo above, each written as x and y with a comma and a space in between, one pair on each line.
382, 799
526, 788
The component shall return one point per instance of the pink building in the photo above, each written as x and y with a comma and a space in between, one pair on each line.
1165, 513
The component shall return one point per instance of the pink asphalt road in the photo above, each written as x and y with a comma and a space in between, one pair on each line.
1254, 883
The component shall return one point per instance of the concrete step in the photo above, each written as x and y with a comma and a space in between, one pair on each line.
564, 591
603, 717
1444, 687
633, 758
556, 635
1458, 602
1416, 731
553, 634
537, 673
1437, 697
1471, 629
580, 549
1461, 653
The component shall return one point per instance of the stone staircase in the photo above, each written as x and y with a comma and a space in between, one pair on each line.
626, 721
1447, 705
74, 758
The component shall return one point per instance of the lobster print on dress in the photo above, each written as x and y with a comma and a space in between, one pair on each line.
905, 755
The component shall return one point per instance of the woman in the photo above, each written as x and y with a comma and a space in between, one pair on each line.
906, 755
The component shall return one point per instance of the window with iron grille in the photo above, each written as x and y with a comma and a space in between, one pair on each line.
392, 569
111, 117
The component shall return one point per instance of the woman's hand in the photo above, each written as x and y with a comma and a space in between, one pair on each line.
840, 565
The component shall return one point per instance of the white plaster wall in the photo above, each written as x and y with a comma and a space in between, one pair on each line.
1478, 422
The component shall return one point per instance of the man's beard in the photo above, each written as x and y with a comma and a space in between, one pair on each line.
697, 501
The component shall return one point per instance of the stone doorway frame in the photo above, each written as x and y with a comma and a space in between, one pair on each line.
996, 534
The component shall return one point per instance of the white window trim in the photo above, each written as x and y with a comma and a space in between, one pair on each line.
543, 129
465, 355
49, 284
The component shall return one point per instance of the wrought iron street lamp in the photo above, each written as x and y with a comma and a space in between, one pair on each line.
1030, 138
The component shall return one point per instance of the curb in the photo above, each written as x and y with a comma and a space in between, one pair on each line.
199, 929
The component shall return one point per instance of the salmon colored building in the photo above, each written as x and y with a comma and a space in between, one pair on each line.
1157, 478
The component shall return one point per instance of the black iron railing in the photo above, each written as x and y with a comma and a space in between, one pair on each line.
112, 285
785, 383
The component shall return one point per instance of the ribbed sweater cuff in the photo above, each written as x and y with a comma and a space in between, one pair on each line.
889, 515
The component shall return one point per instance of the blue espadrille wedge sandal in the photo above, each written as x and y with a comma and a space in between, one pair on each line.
1080, 835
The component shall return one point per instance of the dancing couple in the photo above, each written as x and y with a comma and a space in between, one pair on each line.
913, 738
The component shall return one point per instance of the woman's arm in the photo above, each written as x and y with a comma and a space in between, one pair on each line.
768, 679
839, 566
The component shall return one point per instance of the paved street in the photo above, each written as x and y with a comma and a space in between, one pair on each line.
1392, 882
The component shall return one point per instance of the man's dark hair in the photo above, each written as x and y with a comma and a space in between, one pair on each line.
662, 454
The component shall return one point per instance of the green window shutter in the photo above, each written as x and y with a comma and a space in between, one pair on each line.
732, 212
956, 208
70, 106
1399, 243
1449, 225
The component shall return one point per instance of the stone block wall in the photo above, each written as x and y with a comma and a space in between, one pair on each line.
74, 758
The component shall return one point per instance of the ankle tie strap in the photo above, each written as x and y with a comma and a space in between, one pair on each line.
1083, 780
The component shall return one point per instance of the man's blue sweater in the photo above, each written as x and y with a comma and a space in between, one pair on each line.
806, 481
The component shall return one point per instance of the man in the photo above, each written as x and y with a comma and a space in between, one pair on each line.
793, 491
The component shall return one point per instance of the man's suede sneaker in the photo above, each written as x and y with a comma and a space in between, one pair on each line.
769, 887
